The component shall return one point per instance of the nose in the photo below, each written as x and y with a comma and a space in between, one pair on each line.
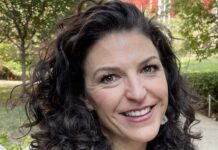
135, 89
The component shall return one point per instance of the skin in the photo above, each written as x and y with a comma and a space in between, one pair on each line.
123, 72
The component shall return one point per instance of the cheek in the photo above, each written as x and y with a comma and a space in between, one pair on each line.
163, 92
105, 99
163, 89
159, 88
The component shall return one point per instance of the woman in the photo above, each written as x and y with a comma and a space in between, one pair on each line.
110, 81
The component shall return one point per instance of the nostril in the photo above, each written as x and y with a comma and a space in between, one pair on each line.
135, 89
136, 93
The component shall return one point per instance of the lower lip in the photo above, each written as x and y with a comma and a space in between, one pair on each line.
141, 118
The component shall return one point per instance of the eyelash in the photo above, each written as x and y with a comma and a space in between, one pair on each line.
107, 79
150, 68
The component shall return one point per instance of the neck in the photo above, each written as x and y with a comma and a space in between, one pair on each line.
118, 143
127, 145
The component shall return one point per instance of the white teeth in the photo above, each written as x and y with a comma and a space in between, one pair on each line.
138, 113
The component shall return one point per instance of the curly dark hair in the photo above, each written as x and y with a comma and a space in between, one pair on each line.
57, 86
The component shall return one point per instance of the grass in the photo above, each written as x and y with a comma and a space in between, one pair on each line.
10, 137
5, 93
191, 65
11, 119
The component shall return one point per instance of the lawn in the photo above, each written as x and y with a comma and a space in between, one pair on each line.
5, 93
11, 119
191, 64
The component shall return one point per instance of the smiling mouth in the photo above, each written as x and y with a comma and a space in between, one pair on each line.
138, 113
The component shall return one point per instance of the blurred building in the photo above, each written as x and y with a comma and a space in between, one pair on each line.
164, 9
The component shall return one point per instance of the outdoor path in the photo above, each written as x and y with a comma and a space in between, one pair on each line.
9, 83
209, 129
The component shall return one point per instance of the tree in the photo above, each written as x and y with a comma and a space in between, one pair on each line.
25, 23
199, 26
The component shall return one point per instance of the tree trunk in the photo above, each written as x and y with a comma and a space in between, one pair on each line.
23, 62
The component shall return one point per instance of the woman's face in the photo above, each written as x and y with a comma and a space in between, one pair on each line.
126, 85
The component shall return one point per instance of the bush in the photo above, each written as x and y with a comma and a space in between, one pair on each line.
9, 145
7, 74
205, 84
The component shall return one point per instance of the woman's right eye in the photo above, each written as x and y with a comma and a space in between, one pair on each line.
108, 79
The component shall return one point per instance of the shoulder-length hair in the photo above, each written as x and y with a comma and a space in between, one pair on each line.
57, 86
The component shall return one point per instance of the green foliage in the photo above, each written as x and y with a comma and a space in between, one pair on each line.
13, 66
205, 84
31, 20
26, 23
199, 26
9, 145
8, 52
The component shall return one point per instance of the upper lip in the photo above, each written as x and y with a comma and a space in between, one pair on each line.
136, 109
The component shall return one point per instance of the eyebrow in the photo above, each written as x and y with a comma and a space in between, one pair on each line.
147, 60
113, 69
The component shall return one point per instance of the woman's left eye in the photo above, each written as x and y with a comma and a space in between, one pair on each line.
150, 69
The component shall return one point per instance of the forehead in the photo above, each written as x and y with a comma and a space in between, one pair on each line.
121, 47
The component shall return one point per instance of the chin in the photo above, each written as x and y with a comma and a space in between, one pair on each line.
145, 135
